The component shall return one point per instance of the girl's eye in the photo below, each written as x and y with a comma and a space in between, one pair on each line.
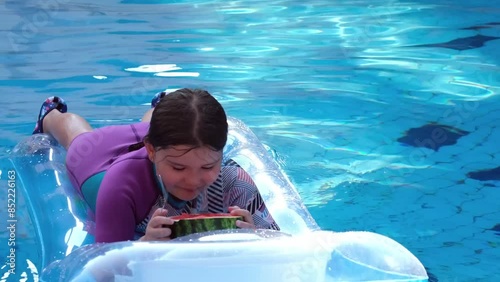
207, 168
178, 168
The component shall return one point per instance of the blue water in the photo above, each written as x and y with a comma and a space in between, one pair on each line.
330, 86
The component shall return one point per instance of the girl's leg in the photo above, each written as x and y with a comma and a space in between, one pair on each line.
156, 99
147, 116
65, 127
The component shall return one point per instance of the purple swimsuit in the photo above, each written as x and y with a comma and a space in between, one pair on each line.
128, 194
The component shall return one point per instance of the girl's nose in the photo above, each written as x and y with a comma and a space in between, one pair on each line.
194, 180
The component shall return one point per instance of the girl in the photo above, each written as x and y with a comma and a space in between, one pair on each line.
135, 177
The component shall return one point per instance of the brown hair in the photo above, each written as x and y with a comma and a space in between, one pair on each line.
191, 117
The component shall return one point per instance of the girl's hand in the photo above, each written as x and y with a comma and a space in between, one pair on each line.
157, 229
247, 217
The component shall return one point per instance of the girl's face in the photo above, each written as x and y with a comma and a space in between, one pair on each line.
186, 172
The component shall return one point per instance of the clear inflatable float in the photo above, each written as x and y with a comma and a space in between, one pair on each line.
301, 251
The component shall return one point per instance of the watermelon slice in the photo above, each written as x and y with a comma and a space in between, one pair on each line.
186, 224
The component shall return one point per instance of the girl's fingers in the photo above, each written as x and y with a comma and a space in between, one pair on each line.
159, 219
247, 217
158, 226
232, 208
160, 211
243, 224
161, 233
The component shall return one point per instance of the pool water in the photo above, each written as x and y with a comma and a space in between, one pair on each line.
383, 113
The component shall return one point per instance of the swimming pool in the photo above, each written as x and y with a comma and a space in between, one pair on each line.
343, 93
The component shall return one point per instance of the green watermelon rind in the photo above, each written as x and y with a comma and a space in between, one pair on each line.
183, 227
